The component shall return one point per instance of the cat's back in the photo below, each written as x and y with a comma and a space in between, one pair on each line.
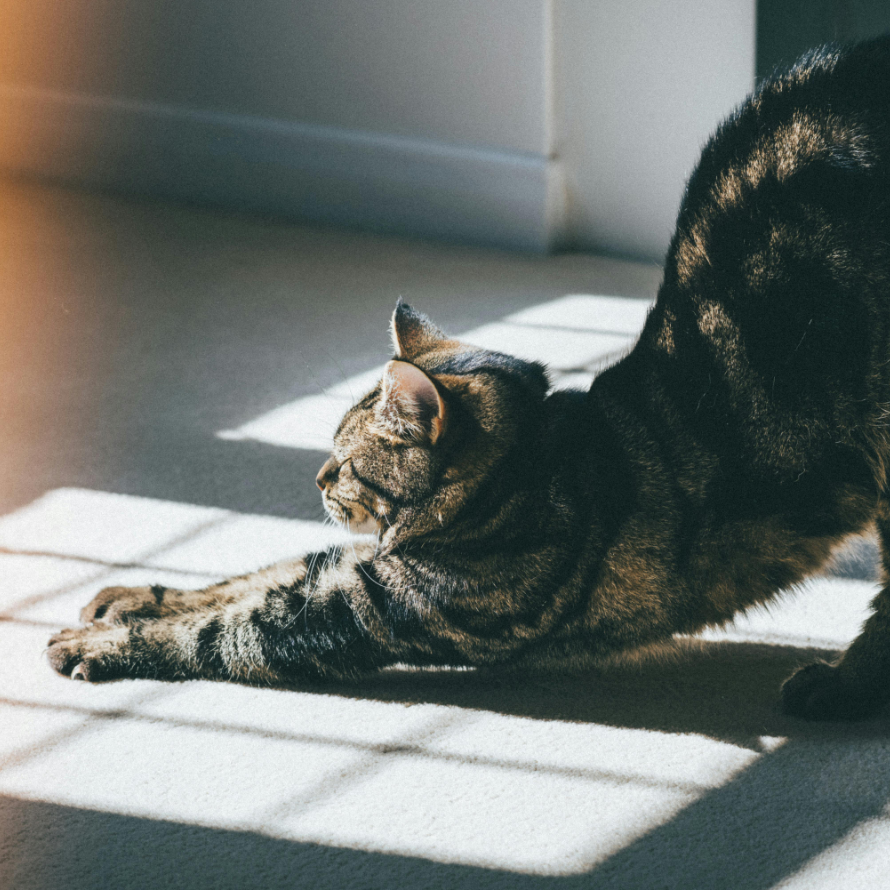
808, 152
829, 111
773, 320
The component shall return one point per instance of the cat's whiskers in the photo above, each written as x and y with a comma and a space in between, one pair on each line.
392, 528
396, 547
360, 567
309, 591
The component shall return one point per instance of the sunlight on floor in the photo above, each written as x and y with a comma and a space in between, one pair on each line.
860, 859
574, 336
809, 617
70, 539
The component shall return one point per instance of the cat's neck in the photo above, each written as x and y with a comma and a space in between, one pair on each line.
627, 455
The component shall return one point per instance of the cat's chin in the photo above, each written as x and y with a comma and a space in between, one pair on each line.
367, 526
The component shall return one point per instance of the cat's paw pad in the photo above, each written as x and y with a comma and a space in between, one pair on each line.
818, 692
116, 605
88, 653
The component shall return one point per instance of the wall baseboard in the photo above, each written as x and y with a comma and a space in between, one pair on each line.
306, 172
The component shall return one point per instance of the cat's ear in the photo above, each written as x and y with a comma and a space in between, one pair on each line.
410, 404
413, 333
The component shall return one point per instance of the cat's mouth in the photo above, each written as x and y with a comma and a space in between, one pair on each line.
353, 516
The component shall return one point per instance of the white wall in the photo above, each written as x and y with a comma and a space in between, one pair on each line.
640, 85
523, 123
468, 72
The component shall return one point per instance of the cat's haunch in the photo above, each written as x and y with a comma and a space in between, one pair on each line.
743, 438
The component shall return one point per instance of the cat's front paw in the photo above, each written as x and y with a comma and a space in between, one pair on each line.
819, 692
89, 653
117, 605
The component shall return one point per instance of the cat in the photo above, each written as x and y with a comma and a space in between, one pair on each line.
721, 460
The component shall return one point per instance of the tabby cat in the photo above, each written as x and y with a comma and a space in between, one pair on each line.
720, 461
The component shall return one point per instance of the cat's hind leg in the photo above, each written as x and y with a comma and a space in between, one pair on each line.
857, 685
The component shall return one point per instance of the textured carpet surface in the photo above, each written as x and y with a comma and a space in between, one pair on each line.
170, 380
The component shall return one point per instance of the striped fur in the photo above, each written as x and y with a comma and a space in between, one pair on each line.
722, 460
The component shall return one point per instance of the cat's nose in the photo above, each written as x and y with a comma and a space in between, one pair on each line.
327, 474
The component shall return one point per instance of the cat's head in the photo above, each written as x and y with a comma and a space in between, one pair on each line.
410, 453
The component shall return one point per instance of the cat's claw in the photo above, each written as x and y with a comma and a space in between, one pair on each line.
88, 653
818, 692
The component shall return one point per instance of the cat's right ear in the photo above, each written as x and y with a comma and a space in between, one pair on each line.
413, 333
410, 404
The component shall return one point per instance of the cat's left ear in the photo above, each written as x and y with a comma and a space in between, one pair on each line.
413, 333
410, 404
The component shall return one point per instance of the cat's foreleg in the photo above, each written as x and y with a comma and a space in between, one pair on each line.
857, 685
123, 605
119, 605
284, 623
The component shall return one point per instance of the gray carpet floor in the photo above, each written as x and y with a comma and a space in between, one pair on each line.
170, 378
